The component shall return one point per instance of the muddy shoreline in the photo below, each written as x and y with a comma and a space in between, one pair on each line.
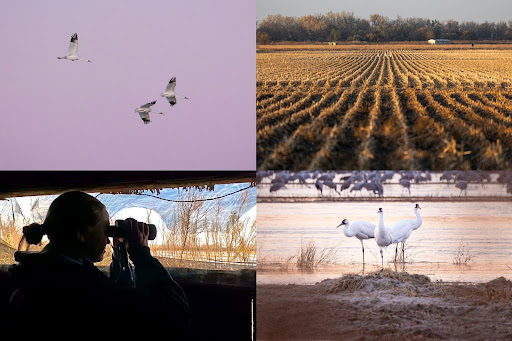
385, 306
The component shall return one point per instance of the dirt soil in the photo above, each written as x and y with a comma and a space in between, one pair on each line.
385, 306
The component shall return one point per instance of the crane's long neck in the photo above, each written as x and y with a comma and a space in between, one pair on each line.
347, 231
381, 230
419, 220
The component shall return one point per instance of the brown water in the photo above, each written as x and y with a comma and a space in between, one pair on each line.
484, 228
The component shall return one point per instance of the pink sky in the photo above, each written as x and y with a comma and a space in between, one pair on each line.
63, 115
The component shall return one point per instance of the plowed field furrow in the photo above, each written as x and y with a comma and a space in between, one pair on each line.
485, 111
343, 140
283, 114
384, 108
268, 137
488, 100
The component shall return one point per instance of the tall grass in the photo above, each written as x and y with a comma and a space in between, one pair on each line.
198, 234
463, 255
10, 233
309, 256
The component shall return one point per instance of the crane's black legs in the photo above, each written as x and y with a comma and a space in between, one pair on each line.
382, 258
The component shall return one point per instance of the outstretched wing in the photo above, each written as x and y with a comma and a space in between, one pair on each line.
73, 46
145, 117
147, 105
171, 85
172, 100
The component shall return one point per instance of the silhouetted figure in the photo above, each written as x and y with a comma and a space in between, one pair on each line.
60, 292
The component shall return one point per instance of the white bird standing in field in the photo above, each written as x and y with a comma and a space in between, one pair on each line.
383, 235
403, 229
73, 50
169, 92
144, 110
360, 229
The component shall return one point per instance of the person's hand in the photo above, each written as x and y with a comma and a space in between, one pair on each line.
137, 234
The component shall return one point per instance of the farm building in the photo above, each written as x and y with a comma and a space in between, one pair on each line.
438, 41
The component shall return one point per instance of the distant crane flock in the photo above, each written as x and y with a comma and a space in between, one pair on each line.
331, 183
144, 109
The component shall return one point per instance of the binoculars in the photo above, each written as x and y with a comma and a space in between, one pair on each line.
120, 230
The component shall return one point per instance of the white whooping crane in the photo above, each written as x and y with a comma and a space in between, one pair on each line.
360, 229
169, 92
73, 50
383, 235
144, 110
403, 229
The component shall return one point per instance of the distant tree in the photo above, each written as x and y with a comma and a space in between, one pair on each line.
262, 38
334, 35
468, 35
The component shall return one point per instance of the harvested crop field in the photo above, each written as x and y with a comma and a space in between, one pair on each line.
384, 107
385, 306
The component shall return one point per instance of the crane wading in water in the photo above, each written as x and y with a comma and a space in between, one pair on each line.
383, 236
360, 229
403, 229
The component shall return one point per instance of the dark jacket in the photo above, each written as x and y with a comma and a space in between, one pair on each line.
63, 294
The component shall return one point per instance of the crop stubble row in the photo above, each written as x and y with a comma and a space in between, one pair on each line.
384, 109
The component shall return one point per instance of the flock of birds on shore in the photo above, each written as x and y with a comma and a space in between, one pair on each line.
384, 235
373, 181
144, 109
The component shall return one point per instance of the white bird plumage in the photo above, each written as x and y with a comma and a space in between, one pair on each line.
402, 230
383, 235
169, 92
144, 110
73, 50
360, 229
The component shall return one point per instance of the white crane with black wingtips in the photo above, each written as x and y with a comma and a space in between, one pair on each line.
144, 110
169, 92
73, 50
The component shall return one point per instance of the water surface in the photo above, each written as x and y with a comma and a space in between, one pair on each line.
483, 227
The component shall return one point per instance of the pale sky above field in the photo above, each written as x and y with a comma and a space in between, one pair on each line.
461, 10
63, 115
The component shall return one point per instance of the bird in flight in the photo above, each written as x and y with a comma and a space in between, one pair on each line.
144, 110
73, 50
169, 92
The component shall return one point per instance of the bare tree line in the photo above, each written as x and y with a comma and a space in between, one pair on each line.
345, 26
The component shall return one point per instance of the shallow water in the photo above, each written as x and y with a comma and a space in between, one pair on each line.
484, 228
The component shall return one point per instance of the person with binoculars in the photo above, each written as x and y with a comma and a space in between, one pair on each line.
60, 287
